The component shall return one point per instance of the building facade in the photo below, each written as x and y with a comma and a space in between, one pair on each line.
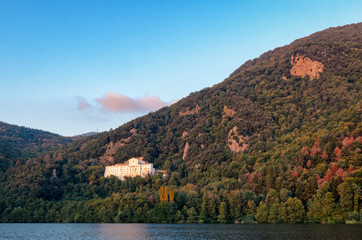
131, 168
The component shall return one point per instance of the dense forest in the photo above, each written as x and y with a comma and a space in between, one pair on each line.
279, 141
19, 144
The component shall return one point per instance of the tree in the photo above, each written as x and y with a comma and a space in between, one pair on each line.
346, 197
304, 151
191, 215
285, 194
324, 155
273, 216
170, 212
179, 217
292, 211
355, 201
271, 198
235, 203
164, 194
262, 213
337, 152
296, 211
305, 189
315, 206
329, 206
19, 215
204, 214
171, 193
167, 194
213, 210
223, 216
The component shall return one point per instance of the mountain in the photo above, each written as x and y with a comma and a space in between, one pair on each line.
77, 137
21, 143
279, 140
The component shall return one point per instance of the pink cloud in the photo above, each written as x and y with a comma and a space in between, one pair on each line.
116, 102
83, 104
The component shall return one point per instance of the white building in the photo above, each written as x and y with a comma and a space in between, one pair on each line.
131, 168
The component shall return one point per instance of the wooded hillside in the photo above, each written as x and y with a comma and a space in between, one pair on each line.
280, 140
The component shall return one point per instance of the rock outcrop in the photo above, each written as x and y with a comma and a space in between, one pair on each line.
304, 66
240, 143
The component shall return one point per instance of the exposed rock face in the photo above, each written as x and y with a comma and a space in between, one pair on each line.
112, 147
234, 145
304, 66
186, 149
188, 111
108, 157
184, 134
228, 112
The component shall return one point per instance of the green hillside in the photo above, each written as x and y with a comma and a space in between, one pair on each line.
18, 144
278, 141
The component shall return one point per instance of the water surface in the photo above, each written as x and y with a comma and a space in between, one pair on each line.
49, 231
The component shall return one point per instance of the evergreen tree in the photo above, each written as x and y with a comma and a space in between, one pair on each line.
329, 206
223, 216
204, 214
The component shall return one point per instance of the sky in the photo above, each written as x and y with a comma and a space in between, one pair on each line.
78, 66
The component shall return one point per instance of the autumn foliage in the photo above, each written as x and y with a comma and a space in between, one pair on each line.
167, 194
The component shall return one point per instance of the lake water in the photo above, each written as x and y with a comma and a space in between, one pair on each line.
48, 231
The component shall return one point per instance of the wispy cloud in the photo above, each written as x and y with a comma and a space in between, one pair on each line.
116, 102
83, 104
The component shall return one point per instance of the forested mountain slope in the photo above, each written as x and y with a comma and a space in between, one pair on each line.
21, 143
278, 141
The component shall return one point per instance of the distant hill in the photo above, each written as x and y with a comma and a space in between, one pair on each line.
77, 137
21, 143
278, 141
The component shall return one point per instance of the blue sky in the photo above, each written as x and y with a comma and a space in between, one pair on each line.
72, 67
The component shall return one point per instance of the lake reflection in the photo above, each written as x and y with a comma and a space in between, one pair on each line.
178, 231
124, 231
